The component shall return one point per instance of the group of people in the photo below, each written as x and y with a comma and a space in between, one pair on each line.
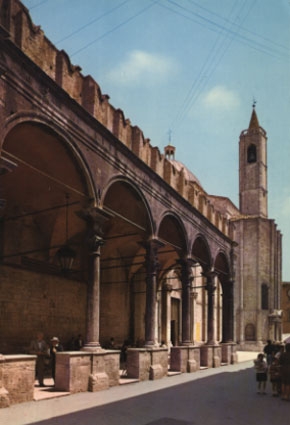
274, 365
46, 354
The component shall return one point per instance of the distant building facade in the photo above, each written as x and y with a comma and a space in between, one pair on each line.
285, 306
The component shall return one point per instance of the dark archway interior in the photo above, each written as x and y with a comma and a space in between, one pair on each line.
42, 194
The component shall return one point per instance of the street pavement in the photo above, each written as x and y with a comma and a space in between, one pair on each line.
221, 396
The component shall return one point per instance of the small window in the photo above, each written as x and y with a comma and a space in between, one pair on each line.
252, 154
264, 297
250, 332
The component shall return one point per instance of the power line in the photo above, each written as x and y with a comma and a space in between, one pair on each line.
92, 22
38, 4
239, 26
131, 18
215, 56
214, 26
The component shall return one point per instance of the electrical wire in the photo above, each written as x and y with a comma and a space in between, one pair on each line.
38, 4
239, 26
92, 22
214, 26
216, 54
126, 21
42, 173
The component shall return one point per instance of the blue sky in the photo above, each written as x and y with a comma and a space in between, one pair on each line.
187, 71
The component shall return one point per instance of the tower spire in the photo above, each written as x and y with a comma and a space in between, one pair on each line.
254, 122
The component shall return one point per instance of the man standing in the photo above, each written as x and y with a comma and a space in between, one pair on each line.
55, 348
40, 348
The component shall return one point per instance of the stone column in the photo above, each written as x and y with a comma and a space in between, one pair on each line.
96, 219
186, 281
166, 312
210, 275
193, 298
4, 394
151, 287
228, 312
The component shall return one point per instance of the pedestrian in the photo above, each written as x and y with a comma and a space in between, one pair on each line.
280, 351
123, 356
79, 342
55, 347
71, 344
269, 350
261, 368
111, 344
285, 373
40, 348
275, 376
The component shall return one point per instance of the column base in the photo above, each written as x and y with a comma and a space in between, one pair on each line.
92, 347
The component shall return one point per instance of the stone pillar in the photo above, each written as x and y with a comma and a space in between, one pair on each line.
166, 312
4, 394
186, 281
228, 312
151, 287
96, 220
193, 298
210, 275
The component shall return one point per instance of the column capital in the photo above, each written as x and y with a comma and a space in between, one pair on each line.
96, 218
210, 274
152, 246
153, 243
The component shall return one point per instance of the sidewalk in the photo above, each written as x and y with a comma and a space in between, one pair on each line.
43, 393
60, 404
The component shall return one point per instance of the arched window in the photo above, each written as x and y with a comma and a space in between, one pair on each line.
250, 332
252, 154
264, 297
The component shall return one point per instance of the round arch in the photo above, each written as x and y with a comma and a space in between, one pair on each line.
201, 252
171, 233
110, 195
123, 265
48, 179
224, 301
48, 184
37, 119
222, 266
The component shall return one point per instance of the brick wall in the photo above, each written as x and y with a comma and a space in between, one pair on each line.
32, 301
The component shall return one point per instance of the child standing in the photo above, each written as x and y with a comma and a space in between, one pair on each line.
261, 368
275, 377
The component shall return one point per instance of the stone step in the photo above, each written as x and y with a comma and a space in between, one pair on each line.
124, 380
173, 373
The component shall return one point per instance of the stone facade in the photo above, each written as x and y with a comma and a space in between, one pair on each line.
285, 306
17, 376
258, 265
153, 258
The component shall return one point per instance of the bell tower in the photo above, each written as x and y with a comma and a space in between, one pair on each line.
253, 169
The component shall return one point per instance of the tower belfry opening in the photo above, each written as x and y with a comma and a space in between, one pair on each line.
169, 152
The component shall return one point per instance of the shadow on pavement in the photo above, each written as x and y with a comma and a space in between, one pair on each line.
226, 398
